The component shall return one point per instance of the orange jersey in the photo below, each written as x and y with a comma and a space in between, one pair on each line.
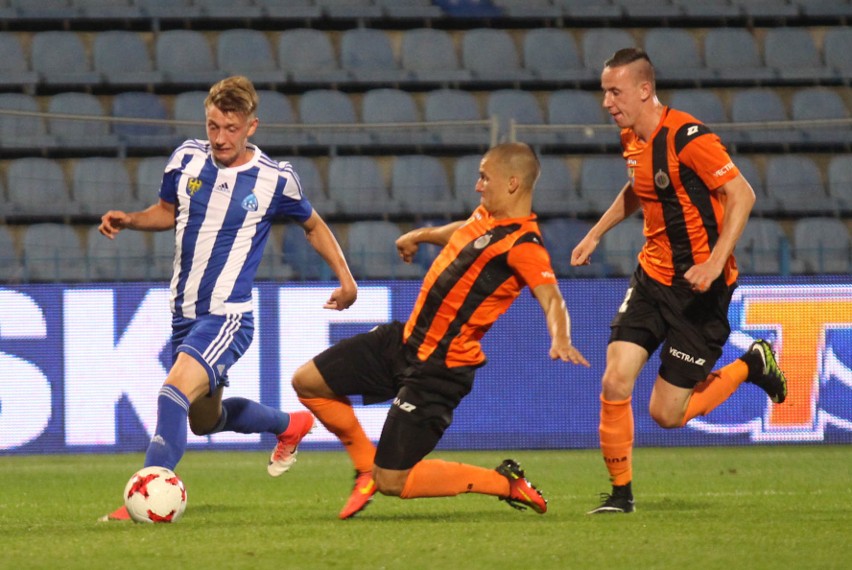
474, 279
675, 175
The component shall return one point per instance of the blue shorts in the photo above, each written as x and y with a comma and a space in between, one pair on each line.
216, 341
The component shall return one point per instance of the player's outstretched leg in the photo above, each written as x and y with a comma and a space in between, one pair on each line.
764, 371
620, 501
284, 455
522, 493
362, 494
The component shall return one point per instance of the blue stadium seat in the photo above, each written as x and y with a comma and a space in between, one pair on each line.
492, 58
757, 105
14, 68
817, 103
145, 106
186, 59
794, 56
600, 43
552, 55
302, 259
764, 205
650, 10
675, 56
275, 109
583, 9
312, 184
108, 9
53, 252
309, 59
149, 177
386, 105
168, 9
620, 247
556, 192
706, 106
189, 106
763, 248
465, 177
358, 10
10, 262
796, 183
333, 108
123, 59
22, 132
92, 134
574, 107
561, 236
822, 244
410, 9
513, 105
357, 185
241, 51
272, 266
296, 10
455, 105
734, 56
162, 255
229, 10
372, 254
99, 184
60, 59
776, 9
421, 187
125, 258
37, 189
822, 9
368, 56
837, 45
709, 11
601, 179
527, 9
430, 55
840, 181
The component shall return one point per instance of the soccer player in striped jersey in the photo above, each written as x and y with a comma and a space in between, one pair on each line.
427, 365
695, 203
220, 197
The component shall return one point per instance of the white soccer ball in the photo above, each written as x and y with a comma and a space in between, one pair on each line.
155, 495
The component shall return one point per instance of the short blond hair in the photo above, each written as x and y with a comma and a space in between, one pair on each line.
234, 94
518, 159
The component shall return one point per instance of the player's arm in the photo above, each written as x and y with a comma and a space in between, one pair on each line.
323, 241
621, 208
738, 197
408, 243
155, 218
558, 324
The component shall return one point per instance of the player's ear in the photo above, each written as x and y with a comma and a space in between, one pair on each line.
252, 126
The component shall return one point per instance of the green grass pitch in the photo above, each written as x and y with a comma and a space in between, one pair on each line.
776, 507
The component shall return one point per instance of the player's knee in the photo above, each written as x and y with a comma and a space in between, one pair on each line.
615, 387
388, 484
201, 427
666, 419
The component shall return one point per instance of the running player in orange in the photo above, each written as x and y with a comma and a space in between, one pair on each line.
695, 203
427, 365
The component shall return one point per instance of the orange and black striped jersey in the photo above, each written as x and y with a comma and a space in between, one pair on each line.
476, 277
675, 175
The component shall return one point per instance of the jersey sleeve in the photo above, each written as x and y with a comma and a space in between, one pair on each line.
531, 262
706, 156
168, 186
291, 202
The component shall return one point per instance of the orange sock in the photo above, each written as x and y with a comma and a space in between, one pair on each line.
616, 431
717, 388
436, 478
339, 418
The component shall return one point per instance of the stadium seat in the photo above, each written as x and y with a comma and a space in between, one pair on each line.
430, 55
410, 9
53, 252
372, 253
764, 205
822, 9
703, 104
561, 236
421, 187
357, 185
794, 56
247, 52
455, 105
675, 56
552, 55
302, 259
822, 244
60, 59
776, 9
600, 43
620, 247
168, 9
368, 56
123, 59
649, 10
601, 179
763, 248
358, 10
837, 45
277, 118
108, 9
709, 11
513, 105
92, 134
189, 106
556, 192
527, 9
14, 68
313, 187
840, 181
149, 177
819, 103
733, 54
37, 189
272, 266
758, 105
163, 256
125, 258
228, 10
386, 105
100, 184
465, 177
141, 135
22, 132
10, 262
335, 109
583, 9
573, 107
186, 59
797, 185
492, 58
309, 59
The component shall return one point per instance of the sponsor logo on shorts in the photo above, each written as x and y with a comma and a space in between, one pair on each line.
679, 354
404, 406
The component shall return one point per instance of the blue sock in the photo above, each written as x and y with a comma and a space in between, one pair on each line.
247, 416
169, 441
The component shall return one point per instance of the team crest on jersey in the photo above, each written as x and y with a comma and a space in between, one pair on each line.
482, 241
193, 185
250, 203
661, 179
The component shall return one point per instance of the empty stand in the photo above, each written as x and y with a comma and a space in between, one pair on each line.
313, 187
60, 59
431, 57
14, 67
762, 105
86, 132
822, 245
308, 58
553, 56
100, 184
384, 106
794, 56
53, 252
372, 253
795, 182
763, 248
125, 258
27, 133
10, 262
368, 56
421, 186
676, 58
186, 59
443, 105
620, 247
733, 54
149, 177
561, 236
146, 106
248, 52
840, 181
819, 104
513, 105
601, 179
556, 192
492, 57
123, 59
574, 107
600, 43
357, 185
335, 111
302, 259
37, 189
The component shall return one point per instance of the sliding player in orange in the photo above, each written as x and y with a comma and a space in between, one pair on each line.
695, 203
427, 365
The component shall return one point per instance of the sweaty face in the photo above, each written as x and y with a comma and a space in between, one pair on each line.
623, 94
228, 134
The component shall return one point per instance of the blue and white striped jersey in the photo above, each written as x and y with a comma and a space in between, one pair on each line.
222, 221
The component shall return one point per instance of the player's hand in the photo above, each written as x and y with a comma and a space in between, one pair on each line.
407, 246
582, 254
341, 298
113, 222
701, 276
566, 352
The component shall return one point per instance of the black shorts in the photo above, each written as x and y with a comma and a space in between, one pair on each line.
379, 366
692, 327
